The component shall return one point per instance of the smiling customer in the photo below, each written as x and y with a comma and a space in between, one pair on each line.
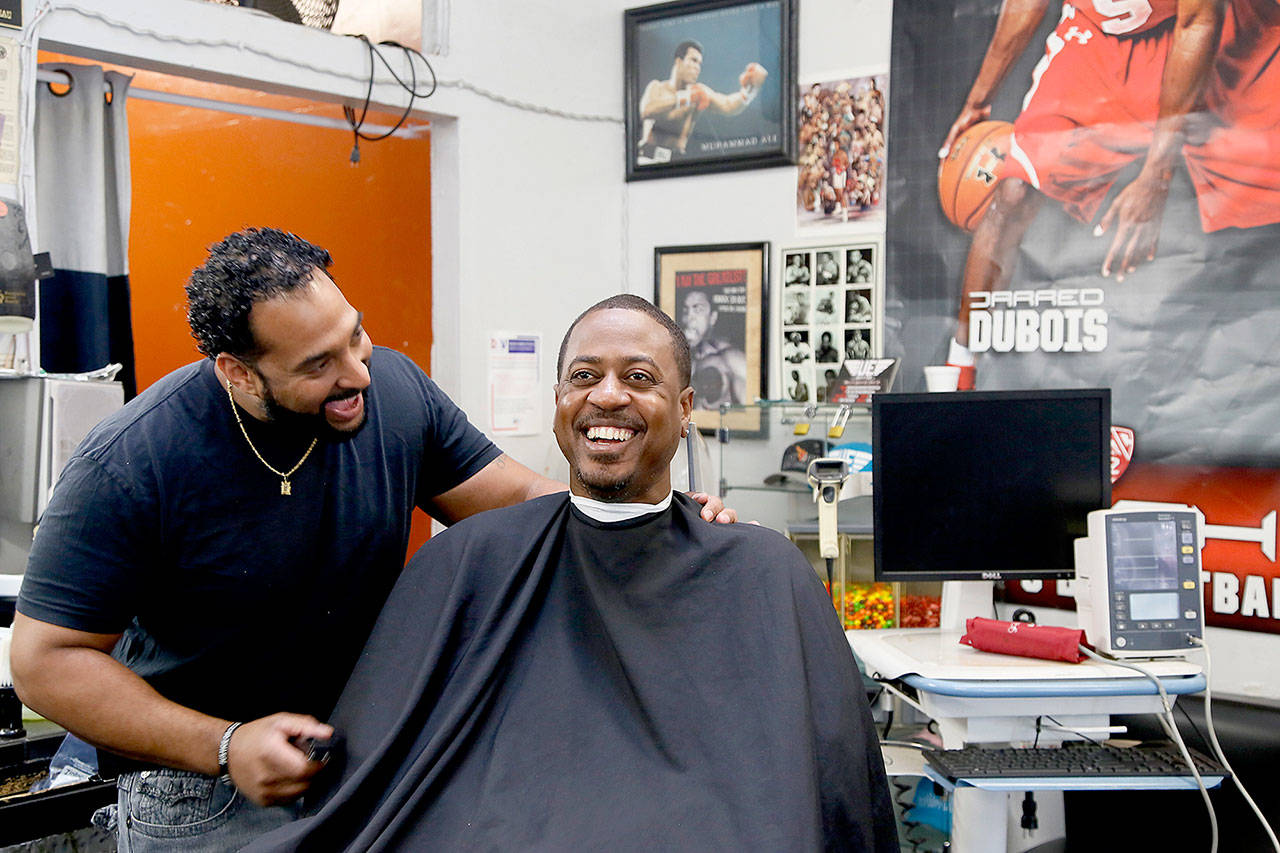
602, 670
621, 410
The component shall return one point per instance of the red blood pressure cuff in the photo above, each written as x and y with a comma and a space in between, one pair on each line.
1024, 639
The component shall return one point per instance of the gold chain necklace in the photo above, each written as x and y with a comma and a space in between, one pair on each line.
285, 488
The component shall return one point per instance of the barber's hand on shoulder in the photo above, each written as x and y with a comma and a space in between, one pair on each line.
265, 766
713, 509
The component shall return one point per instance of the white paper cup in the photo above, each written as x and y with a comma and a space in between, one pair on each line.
941, 377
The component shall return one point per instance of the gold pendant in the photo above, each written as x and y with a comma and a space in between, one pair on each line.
285, 488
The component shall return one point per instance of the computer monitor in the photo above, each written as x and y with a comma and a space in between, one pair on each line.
987, 485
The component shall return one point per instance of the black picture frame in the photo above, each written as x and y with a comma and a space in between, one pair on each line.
740, 122
730, 353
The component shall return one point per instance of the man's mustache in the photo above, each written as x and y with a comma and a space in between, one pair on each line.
344, 395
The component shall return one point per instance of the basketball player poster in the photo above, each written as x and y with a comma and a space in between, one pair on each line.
1055, 220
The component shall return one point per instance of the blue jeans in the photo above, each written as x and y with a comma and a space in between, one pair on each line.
167, 810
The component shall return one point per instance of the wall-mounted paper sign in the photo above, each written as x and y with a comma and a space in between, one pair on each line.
515, 389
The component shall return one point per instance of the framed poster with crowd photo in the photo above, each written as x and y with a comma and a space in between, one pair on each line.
710, 86
830, 311
841, 136
718, 296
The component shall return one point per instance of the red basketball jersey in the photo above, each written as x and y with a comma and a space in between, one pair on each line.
1127, 17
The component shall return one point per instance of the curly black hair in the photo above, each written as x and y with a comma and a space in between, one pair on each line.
246, 267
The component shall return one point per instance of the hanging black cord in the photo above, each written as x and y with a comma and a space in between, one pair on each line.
1204, 741
350, 113
409, 54
411, 87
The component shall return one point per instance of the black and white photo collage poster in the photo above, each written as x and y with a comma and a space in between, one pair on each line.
830, 312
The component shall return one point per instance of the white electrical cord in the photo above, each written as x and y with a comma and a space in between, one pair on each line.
1217, 748
1171, 728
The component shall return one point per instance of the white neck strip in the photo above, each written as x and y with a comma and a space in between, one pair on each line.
609, 512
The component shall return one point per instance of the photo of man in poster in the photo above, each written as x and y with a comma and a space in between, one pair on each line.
1132, 239
797, 388
797, 271
828, 269
858, 269
828, 376
795, 307
1135, 207
857, 308
824, 305
670, 107
719, 362
856, 345
704, 85
826, 348
796, 349
1070, 141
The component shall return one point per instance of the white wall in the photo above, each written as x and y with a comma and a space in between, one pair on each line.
536, 202
546, 224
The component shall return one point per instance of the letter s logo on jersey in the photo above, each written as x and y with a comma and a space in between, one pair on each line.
1122, 16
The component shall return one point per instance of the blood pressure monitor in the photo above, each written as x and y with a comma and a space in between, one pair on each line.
1137, 583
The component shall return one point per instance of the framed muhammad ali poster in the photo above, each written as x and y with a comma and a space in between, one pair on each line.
710, 86
718, 295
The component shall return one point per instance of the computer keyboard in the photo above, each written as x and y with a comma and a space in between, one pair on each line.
1072, 759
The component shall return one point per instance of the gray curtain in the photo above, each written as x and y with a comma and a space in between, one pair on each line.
83, 193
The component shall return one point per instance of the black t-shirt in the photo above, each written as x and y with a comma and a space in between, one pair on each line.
234, 599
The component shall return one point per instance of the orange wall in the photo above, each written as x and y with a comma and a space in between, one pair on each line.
198, 175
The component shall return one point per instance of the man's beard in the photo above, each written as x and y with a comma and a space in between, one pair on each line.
610, 489
312, 424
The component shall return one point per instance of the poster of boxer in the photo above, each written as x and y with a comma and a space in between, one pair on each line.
1055, 223
717, 295
710, 86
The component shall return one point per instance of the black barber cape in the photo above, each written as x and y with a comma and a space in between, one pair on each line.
540, 680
